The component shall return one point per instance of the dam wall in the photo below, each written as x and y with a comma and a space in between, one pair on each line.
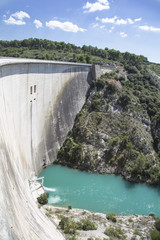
38, 101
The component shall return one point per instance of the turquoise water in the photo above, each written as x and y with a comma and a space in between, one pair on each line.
99, 193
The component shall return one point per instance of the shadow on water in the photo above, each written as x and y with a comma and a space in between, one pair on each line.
130, 185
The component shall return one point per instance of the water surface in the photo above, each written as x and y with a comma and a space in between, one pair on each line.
99, 193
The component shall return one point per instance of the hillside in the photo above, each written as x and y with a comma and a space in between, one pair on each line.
118, 129
60, 51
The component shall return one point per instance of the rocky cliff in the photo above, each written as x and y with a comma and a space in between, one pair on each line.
117, 130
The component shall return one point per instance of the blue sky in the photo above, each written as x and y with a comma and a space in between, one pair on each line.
125, 25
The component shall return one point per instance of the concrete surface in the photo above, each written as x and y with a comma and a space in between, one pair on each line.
38, 104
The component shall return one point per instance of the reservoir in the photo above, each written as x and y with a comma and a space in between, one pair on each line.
99, 193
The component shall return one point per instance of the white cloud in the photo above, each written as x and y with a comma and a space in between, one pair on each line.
97, 6
37, 23
118, 21
137, 19
123, 34
112, 28
20, 15
149, 28
65, 26
94, 25
121, 21
17, 18
107, 20
13, 21
130, 21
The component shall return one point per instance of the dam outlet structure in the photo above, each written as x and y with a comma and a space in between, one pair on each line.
38, 101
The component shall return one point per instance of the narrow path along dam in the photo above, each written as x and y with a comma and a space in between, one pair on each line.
38, 101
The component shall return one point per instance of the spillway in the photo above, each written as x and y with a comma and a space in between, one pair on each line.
38, 104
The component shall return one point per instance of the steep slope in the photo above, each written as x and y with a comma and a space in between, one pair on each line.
117, 131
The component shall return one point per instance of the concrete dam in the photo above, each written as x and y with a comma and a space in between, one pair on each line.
38, 101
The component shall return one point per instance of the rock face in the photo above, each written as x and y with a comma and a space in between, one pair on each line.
39, 101
113, 132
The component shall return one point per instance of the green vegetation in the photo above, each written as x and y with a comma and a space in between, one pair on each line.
136, 232
115, 233
112, 217
43, 198
69, 226
118, 127
61, 51
157, 224
87, 225
155, 235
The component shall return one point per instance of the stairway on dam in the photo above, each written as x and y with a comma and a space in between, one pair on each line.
38, 101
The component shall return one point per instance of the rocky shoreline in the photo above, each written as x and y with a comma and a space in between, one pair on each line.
110, 170
108, 226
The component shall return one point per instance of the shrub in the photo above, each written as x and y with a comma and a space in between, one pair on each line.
43, 198
100, 83
155, 235
111, 216
63, 222
152, 215
114, 232
131, 69
70, 228
157, 224
86, 225
136, 232
73, 238
112, 88
124, 99
96, 104
115, 141
67, 225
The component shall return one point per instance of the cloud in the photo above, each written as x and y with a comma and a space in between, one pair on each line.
17, 18
97, 6
149, 28
123, 34
97, 25
102, 26
118, 21
112, 28
37, 23
94, 25
121, 21
107, 20
137, 19
65, 26
20, 15
130, 21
